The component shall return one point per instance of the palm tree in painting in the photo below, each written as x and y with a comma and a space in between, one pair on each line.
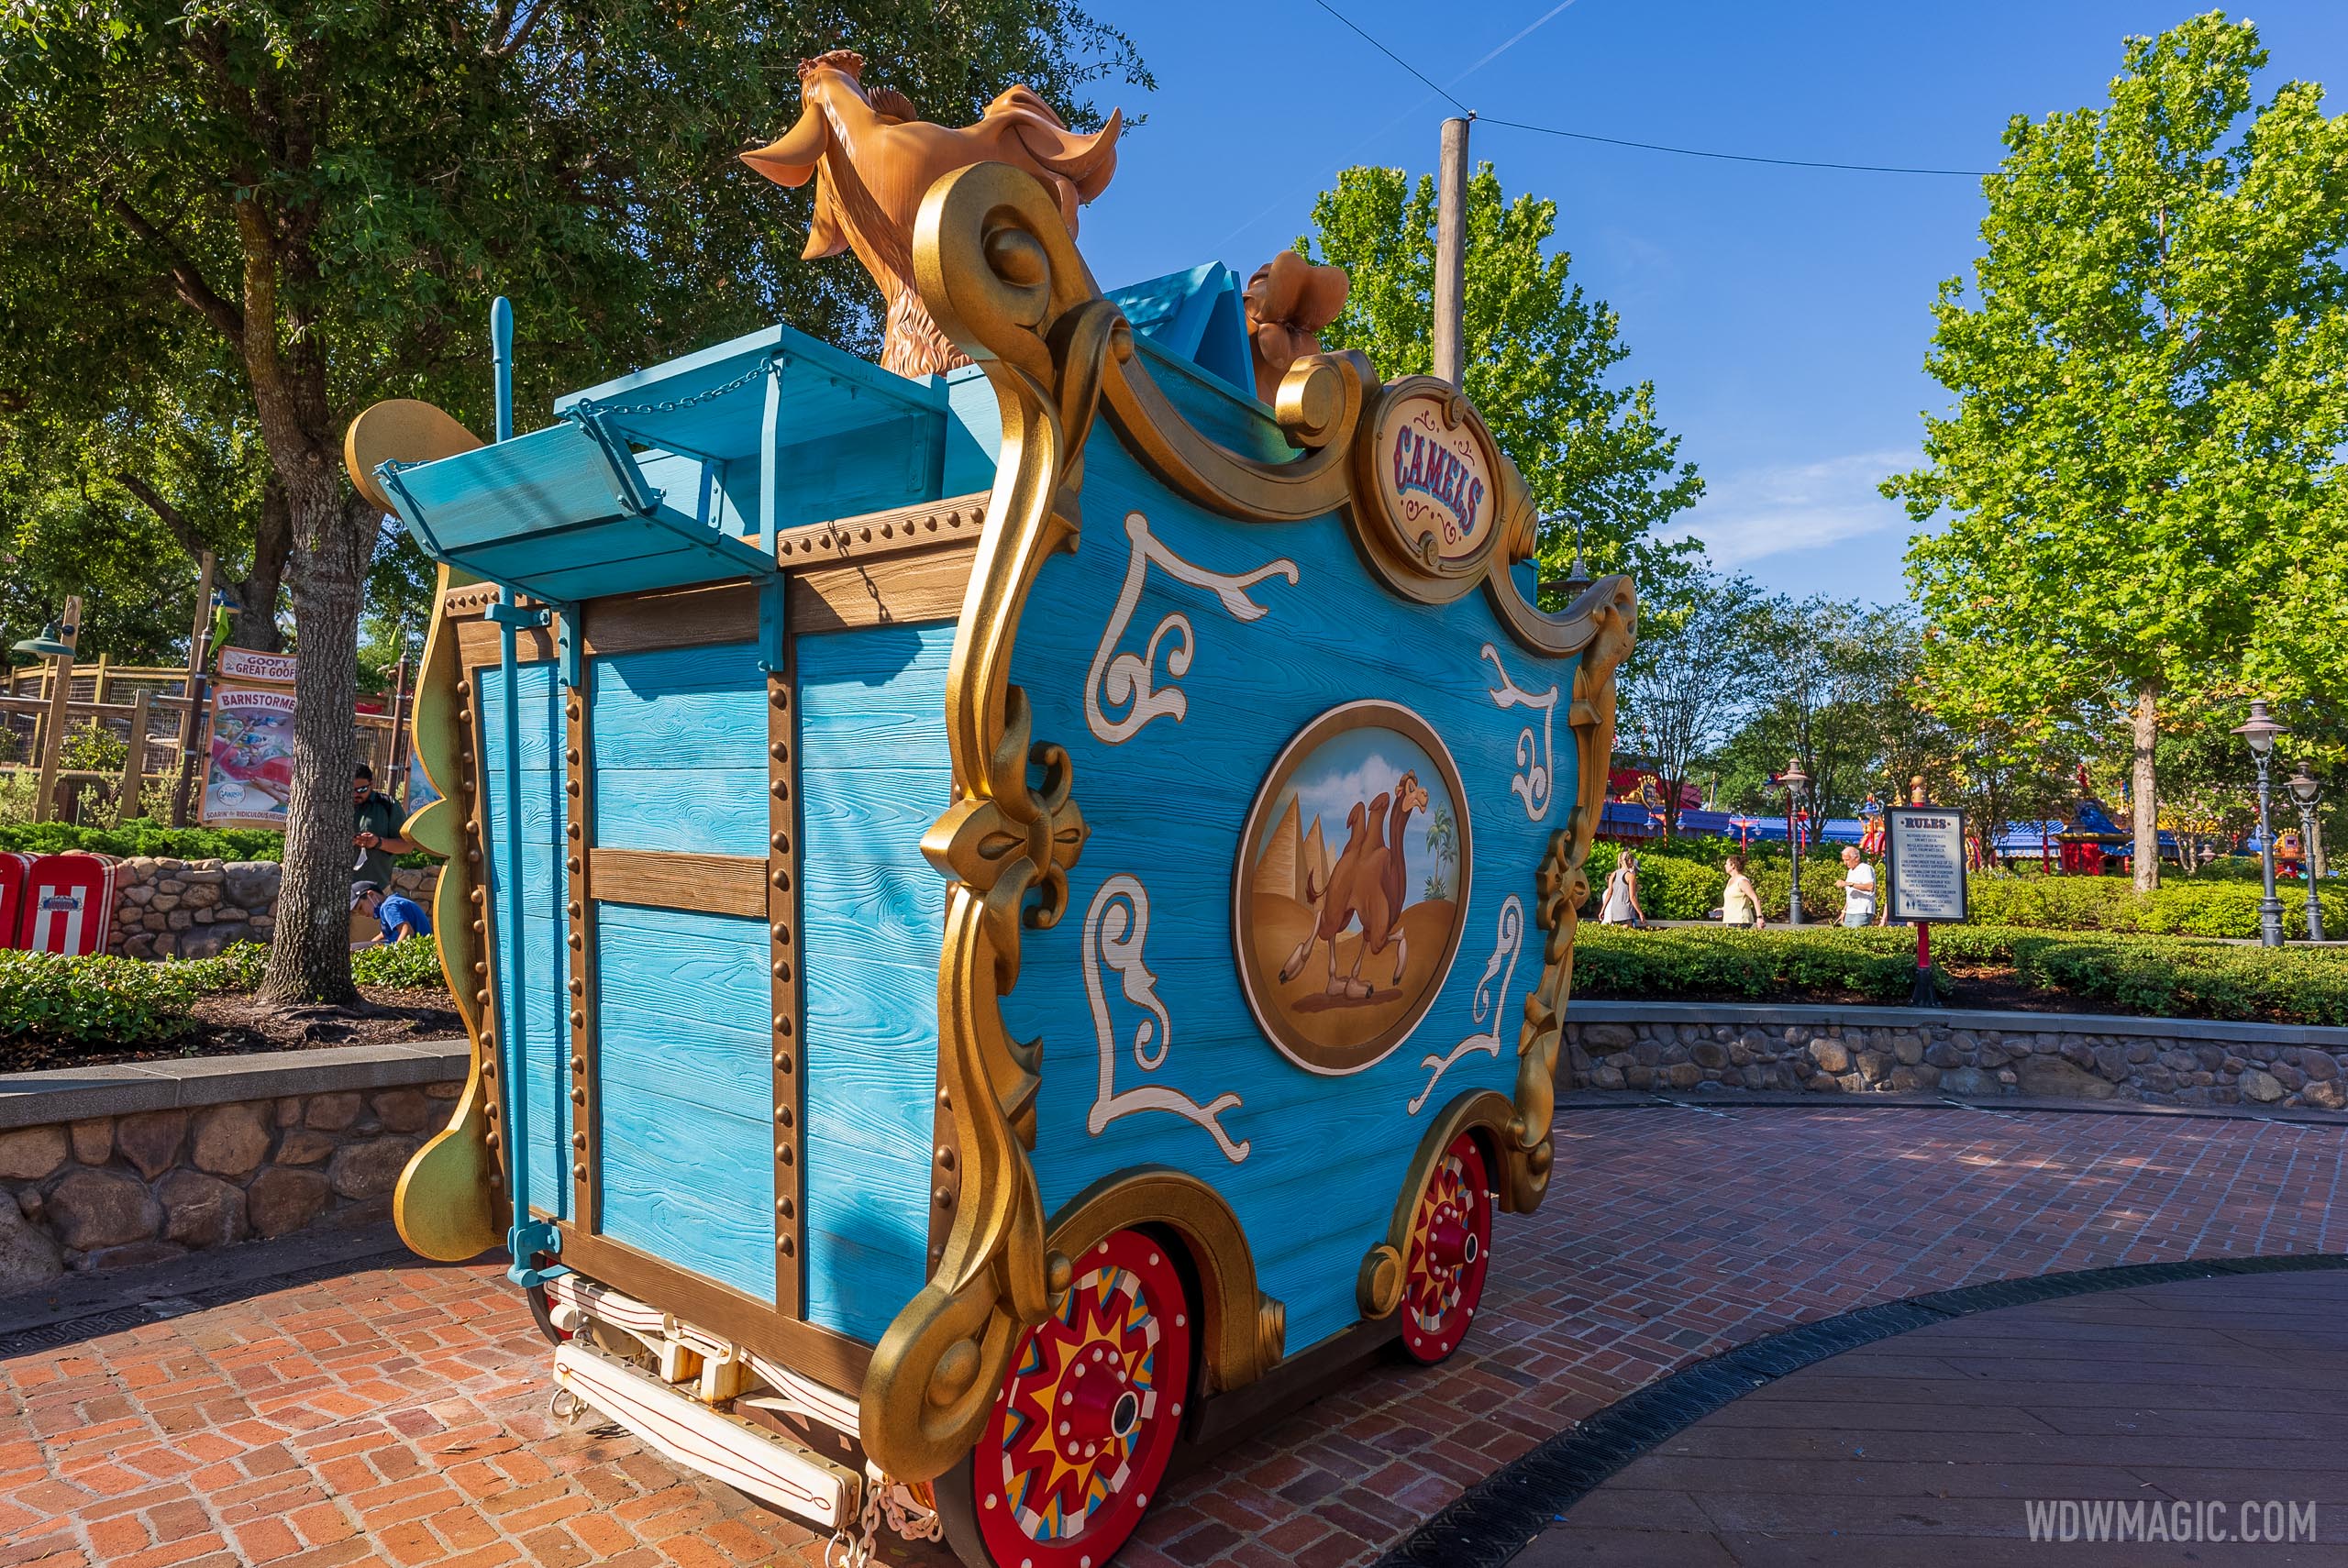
1442, 843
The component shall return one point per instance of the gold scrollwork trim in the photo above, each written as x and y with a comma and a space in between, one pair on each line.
1241, 1330
1609, 612
998, 273
449, 1205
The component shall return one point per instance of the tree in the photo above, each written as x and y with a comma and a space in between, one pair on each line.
1538, 355
1701, 665
309, 206
2149, 418
1830, 665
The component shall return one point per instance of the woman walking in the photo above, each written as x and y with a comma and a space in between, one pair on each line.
1740, 902
1621, 902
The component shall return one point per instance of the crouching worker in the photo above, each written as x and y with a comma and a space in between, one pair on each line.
400, 916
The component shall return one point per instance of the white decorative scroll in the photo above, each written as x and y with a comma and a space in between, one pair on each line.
1128, 680
1532, 782
1508, 942
1115, 929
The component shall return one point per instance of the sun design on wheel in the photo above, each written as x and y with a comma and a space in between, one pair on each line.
1451, 1232
1086, 1420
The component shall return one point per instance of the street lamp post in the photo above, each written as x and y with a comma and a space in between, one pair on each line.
2260, 731
2308, 793
1795, 780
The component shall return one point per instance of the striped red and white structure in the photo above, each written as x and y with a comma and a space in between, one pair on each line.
69, 904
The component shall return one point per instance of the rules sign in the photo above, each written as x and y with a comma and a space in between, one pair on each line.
1926, 856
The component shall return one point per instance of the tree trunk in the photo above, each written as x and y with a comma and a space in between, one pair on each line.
310, 958
2147, 800
253, 624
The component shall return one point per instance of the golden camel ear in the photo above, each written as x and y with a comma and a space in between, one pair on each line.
792, 157
1085, 162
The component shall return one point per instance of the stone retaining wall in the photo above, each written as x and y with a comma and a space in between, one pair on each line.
192, 908
106, 1167
1873, 1050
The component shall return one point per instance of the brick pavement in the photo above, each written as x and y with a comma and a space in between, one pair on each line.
398, 1415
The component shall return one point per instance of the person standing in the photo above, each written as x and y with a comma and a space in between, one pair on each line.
1740, 901
1621, 905
376, 836
1858, 889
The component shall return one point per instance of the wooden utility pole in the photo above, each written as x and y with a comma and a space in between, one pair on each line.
199, 649
1451, 253
61, 693
134, 761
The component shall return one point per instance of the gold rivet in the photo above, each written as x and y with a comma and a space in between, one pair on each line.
782, 970
781, 933
577, 908
579, 1097
782, 1060
788, 1246
946, 1159
579, 1141
578, 940
779, 751
576, 865
782, 791
945, 1198
781, 881
580, 1171
572, 756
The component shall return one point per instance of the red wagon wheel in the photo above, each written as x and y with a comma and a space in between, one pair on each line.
1084, 1427
1451, 1243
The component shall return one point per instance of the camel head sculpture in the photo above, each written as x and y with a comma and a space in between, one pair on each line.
873, 161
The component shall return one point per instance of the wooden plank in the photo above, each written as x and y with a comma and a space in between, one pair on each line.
869, 987
833, 1360
901, 589
685, 1181
713, 884
480, 642
875, 533
680, 617
784, 922
586, 1135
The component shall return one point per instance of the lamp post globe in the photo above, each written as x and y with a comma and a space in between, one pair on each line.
1797, 785
2307, 793
2260, 731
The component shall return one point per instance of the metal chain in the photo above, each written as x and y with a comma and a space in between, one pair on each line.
772, 361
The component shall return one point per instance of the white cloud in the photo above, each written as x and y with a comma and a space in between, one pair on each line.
1769, 511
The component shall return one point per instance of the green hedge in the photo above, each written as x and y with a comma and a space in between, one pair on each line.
133, 1004
1684, 882
412, 963
158, 840
145, 837
2164, 977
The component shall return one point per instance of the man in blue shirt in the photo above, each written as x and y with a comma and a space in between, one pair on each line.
398, 915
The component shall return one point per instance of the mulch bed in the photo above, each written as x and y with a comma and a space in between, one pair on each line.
235, 1024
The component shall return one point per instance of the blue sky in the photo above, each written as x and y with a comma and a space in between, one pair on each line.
1782, 313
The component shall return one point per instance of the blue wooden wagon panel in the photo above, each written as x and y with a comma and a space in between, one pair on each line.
873, 775
533, 945
1312, 1164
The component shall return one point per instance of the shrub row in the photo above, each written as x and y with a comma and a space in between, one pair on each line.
145, 837
1684, 882
2161, 976
132, 1003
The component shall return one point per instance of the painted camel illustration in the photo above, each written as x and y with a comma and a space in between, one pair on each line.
1366, 883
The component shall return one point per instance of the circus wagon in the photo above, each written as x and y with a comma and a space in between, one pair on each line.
1013, 903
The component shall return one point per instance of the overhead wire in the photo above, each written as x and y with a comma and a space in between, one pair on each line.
1449, 97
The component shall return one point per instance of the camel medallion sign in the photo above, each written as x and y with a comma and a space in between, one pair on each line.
1352, 886
1431, 477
